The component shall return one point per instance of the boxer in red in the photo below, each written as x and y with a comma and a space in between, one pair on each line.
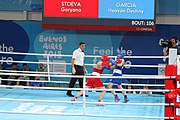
96, 82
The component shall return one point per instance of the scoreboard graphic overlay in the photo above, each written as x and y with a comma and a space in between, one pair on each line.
125, 15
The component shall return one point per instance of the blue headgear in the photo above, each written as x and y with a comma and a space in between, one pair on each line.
123, 53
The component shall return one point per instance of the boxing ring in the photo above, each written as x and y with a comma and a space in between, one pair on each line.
46, 102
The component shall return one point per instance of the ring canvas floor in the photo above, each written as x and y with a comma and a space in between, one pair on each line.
76, 109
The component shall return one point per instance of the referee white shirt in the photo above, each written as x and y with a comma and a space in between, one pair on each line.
78, 55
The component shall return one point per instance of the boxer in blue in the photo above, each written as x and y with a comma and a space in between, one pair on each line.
118, 66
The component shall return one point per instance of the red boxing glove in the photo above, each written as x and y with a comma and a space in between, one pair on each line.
110, 65
105, 58
118, 61
106, 63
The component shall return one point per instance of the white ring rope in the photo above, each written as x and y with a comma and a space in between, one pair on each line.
55, 63
92, 115
89, 89
13, 61
80, 76
43, 101
63, 73
42, 113
80, 102
146, 66
116, 116
15, 71
35, 54
59, 81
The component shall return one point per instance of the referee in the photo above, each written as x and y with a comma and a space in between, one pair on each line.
78, 67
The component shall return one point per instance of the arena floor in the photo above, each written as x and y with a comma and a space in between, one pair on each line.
21, 108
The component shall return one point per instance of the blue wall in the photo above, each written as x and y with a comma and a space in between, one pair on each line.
30, 37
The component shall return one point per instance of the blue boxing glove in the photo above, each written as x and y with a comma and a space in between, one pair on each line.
122, 53
113, 62
106, 67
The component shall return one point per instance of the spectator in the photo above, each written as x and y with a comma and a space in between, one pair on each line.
13, 68
40, 69
25, 68
172, 44
1, 76
145, 92
129, 87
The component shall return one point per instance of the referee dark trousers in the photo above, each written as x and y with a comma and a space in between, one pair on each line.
79, 71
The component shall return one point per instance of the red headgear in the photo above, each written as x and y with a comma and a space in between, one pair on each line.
105, 58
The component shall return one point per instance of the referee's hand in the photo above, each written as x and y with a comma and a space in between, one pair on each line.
73, 70
85, 71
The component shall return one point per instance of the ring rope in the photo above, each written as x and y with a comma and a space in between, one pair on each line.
53, 81
21, 53
81, 76
89, 89
116, 116
42, 113
80, 102
34, 54
93, 115
55, 63
62, 73
150, 66
44, 101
